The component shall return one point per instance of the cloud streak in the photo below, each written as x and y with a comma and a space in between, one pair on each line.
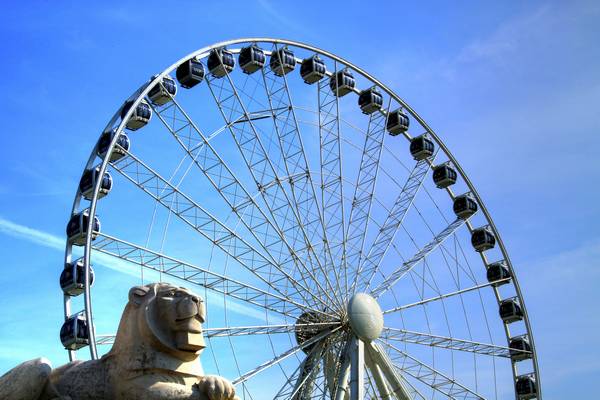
54, 242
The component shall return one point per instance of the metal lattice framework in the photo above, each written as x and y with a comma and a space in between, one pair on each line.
288, 204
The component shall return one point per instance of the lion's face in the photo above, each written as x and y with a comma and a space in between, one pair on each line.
174, 316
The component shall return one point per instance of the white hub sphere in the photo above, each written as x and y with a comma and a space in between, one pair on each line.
365, 316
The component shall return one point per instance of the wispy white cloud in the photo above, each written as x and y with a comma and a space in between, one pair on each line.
279, 17
123, 267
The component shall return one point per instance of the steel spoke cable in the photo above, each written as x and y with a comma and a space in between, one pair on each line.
228, 186
204, 223
330, 156
284, 355
295, 162
431, 376
297, 175
364, 189
260, 166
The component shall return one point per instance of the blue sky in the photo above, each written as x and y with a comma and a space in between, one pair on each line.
512, 87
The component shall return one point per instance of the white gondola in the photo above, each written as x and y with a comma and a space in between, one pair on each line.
464, 206
88, 182
140, 116
342, 82
497, 271
444, 175
72, 278
251, 59
163, 93
483, 239
220, 62
312, 69
520, 349
397, 122
526, 387
119, 151
74, 332
421, 147
190, 73
370, 100
282, 61
77, 227
510, 310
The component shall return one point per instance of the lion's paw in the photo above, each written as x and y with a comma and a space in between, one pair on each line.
217, 388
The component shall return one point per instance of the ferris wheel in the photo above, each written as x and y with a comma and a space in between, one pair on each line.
344, 250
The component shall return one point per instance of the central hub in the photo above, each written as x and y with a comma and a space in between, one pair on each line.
365, 316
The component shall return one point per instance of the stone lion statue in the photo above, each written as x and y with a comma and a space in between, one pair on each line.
155, 357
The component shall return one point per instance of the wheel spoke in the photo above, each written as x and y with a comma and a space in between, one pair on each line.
429, 376
258, 163
296, 164
393, 221
331, 175
199, 276
211, 333
445, 342
398, 273
362, 200
446, 295
284, 355
265, 329
227, 184
208, 226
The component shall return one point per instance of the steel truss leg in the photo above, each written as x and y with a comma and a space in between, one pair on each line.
382, 388
342, 391
357, 370
395, 381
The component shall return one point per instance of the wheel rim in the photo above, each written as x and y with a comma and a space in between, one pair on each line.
317, 272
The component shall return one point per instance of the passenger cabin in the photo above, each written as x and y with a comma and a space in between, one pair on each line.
74, 333
520, 349
483, 239
251, 59
140, 116
370, 100
88, 182
498, 271
119, 151
220, 62
510, 310
312, 69
464, 206
190, 73
444, 175
77, 228
421, 147
282, 61
72, 278
526, 387
163, 92
398, 122
342, 82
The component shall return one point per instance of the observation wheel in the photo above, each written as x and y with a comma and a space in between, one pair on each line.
341, 249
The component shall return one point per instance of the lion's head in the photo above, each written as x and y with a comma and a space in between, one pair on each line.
162, 320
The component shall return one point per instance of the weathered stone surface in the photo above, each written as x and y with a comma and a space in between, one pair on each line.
155, 357
33, 373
